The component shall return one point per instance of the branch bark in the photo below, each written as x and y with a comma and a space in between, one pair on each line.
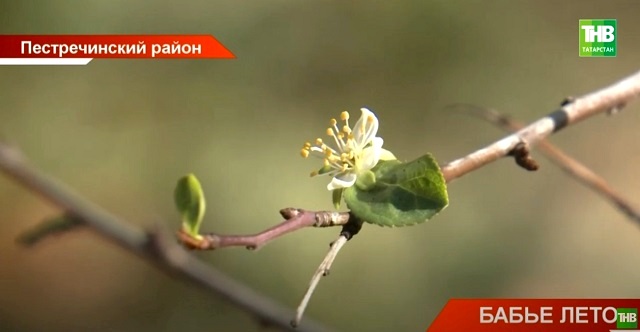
570, 165
295, 219
613, 97
151, 246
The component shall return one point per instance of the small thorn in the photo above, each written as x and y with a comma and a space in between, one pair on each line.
567, 101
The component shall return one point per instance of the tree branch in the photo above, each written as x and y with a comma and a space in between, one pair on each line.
170, 257
294, 219
57, 225
152, 246
610, 98
568, 164
349, 230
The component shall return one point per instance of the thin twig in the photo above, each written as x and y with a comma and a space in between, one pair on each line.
320, 272
570, 165
604, 100
166, 255
57, 225
349, 230
294, 219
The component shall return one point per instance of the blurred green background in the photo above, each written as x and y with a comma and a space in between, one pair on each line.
122, 131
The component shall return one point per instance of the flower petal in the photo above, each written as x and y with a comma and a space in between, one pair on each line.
370, 155
365, 129
387, 155
342, 180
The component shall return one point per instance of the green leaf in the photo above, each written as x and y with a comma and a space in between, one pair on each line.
404, 194
190, 202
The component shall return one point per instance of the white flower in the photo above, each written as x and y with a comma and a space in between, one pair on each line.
358, 150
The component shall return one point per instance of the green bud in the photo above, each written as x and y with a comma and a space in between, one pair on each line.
190, 202
366, 180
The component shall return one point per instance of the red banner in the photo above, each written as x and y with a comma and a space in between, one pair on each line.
80, 49
514, 315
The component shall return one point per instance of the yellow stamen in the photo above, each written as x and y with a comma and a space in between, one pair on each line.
304, 153
330, 132
344, 116
307, 145
318, 141
346, 129
333, 122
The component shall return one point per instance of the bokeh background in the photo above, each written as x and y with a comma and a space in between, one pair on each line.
122, 131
